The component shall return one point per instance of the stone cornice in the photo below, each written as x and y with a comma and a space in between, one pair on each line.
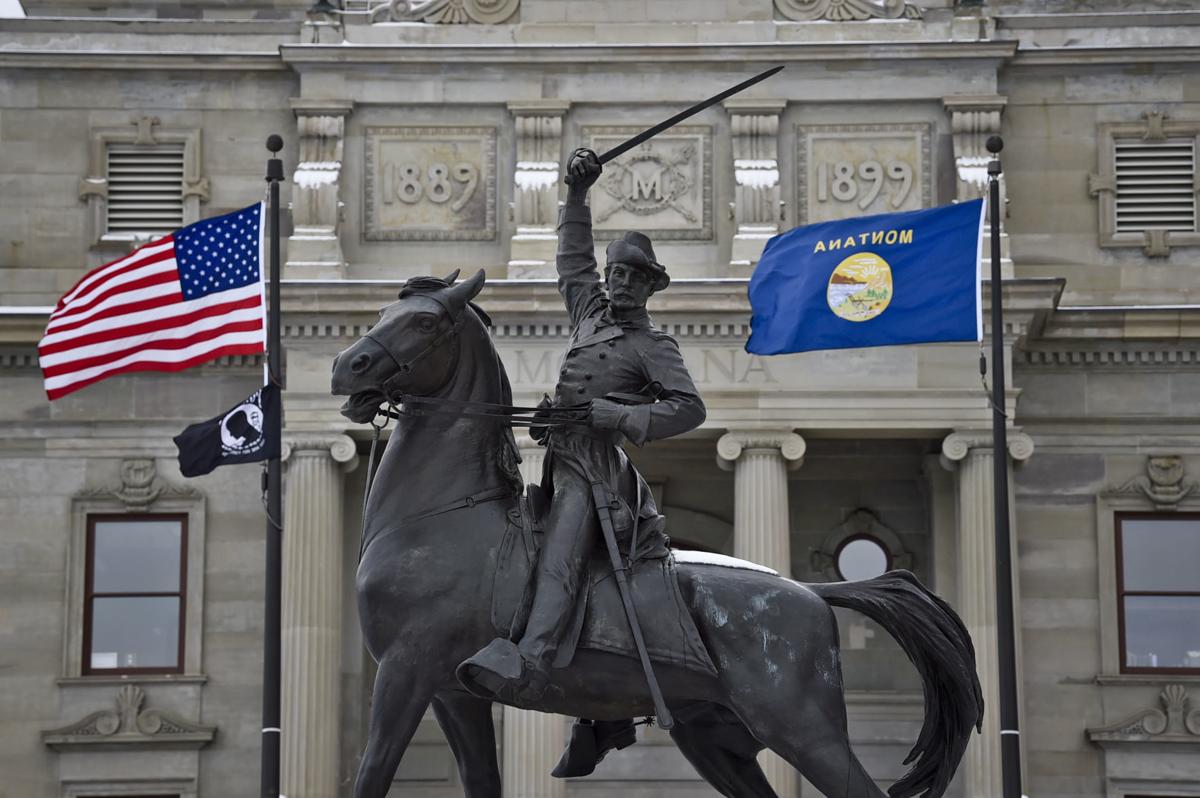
374, 55
1107, 56
250, 61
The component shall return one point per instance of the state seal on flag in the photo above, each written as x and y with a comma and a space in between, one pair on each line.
860, 287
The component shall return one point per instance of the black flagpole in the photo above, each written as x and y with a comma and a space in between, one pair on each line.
1010, 739
274, 565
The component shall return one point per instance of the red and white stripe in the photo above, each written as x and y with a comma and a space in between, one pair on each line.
130, 315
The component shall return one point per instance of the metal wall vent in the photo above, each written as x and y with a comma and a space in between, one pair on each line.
1156, 185
145, 188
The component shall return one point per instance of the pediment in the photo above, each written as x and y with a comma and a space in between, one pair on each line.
129, 724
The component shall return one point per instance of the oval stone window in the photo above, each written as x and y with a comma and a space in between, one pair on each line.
862, 557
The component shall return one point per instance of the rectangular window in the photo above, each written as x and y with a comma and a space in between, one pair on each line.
134, 594
1156, 184
145, 188
1158, 591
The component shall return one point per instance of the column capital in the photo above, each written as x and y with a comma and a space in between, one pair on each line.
959, 444
787, 444
340, 447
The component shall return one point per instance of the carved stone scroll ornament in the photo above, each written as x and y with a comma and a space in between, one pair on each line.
1163, 483
140, 486
1175, 724
451, 12
130, 723
846, 10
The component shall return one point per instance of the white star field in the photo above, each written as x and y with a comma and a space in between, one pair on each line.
218, 254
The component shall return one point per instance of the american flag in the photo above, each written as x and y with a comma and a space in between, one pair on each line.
174, 303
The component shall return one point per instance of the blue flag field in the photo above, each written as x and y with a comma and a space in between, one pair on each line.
894, 278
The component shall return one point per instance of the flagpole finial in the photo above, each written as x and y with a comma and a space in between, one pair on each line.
274, 142
994, 144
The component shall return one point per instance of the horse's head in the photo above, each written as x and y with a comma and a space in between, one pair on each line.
413, 349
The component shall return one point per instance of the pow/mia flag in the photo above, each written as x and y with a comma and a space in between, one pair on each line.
240, 435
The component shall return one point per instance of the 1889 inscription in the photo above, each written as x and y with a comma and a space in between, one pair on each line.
430, 183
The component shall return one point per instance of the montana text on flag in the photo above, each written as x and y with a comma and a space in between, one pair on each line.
182, 300
242, 434
894, 278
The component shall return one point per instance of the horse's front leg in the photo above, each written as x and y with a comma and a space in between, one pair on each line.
403, 690
467, 722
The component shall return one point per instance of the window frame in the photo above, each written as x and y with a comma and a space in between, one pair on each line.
146, 131
138, 491
888, 556
1118, 539
89, 593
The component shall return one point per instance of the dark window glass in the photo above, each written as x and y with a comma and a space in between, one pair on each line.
135, 594
1159, 591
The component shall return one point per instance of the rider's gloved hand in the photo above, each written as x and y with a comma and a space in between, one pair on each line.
583, 169
608, 415
539, 431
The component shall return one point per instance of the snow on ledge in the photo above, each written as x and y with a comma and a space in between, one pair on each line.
708, 558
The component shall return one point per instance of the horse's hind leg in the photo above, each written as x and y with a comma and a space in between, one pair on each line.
467, 723
723, 753
398, 702
789, 694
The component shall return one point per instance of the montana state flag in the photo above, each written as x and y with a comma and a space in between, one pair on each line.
895, 278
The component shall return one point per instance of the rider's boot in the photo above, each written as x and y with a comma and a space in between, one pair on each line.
590, 741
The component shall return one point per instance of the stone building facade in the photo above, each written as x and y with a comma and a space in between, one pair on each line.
429, 135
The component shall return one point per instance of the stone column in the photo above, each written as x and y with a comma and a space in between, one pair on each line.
760, 460
756, 207
969, 453
533, 741
972, 120
314, 249
538, 174
312, 613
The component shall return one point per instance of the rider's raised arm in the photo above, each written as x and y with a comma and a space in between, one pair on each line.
578, 275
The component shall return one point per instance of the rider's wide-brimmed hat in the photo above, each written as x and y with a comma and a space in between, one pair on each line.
635, 249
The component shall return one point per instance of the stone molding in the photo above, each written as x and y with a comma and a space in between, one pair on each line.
757, 207
974, 118
957, 445
341, 448
790, 446
314, 248
862, 521
538, 128
845, 10
447, 12
140, 487
131, 724
1174, 723
1102, 184
1163, 483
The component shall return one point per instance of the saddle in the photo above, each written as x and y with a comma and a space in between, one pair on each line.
598, 621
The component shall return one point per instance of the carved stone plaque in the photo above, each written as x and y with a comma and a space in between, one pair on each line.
662, 188
430, 183
857, 170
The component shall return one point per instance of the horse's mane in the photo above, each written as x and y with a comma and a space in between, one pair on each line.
510, 456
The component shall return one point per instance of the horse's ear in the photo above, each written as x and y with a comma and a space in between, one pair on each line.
451, 277
465, 291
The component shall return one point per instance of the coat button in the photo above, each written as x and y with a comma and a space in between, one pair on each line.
612, 342
581, 389
602, 355
587, 376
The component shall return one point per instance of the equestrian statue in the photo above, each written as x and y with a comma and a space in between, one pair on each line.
565, 597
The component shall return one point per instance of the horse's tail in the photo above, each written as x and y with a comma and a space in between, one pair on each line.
936, 641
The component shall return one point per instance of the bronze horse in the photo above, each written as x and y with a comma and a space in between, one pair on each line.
425, 580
